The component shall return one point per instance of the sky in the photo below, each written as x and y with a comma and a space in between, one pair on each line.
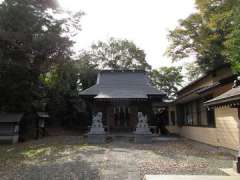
145, 22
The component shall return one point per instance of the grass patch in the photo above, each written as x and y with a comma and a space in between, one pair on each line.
34, 153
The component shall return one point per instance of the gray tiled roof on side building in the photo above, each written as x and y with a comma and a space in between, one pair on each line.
230, 96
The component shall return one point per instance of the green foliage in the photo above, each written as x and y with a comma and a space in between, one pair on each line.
204, 33
168, 79
233, 42
62, 79
87, 72
62, 84
193, 71
32, 41
118, 54
18, 87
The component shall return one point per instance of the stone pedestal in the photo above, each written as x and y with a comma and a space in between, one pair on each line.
143, 138
142, 133
97, 134
96, 138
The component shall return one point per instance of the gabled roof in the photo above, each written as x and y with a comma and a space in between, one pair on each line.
230, 97
10, 117
122, 85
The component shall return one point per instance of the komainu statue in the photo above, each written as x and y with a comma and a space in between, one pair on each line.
97, 125
142, 125
236, 82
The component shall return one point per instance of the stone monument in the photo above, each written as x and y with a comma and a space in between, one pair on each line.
97, 134
142, 133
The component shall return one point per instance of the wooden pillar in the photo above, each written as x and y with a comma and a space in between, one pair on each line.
108, 111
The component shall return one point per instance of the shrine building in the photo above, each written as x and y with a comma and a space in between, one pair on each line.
120, 95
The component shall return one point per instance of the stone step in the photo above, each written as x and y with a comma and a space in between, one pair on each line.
186, 177
113, 175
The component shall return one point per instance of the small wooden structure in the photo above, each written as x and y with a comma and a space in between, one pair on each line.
9, 127
231, 99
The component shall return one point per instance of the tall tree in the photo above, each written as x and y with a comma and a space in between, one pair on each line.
33, 40
118, 54
63, 85
233, 42
168, 79
31, 35
203, 34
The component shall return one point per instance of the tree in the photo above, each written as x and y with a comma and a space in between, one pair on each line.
64, 82
203, 34
18, 87
118, 54
38, 40
62, 85
233, 42
193, 71
87, 71
168, 79
32, 41
63, 79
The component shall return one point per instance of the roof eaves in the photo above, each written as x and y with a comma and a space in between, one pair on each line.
222, 101
208, 88
193, 82
88, 90
203, 76
225, 97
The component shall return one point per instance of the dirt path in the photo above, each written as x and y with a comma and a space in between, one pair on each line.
69, 158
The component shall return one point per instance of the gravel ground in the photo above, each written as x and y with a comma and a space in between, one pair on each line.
68, 158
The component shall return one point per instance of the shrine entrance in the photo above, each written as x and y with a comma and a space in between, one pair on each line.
121, 117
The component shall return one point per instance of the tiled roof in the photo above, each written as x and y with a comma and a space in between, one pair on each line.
226, 65
208, 88
196, 93
122, 84
10, 117
230, 96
